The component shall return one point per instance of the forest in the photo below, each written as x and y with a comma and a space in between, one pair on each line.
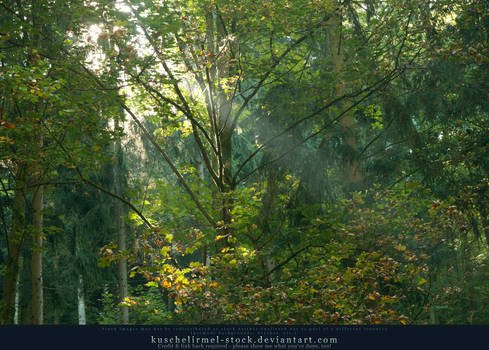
248, 162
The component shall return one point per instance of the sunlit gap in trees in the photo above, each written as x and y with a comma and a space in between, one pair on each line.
96, 57
93, 37
122, 6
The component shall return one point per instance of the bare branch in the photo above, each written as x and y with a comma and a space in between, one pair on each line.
258, 86
286, 261
114, 195
369, 90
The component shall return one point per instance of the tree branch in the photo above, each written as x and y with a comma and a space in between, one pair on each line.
286, 261
385, 80
258, 86
186, 108
368, 90
93, 184
170, 163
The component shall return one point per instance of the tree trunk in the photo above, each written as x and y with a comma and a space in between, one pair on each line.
121, 234
224, 126
272, 191
82, 319
206, 257
227, 187
15, 241
26, 282
37, 241
123, 284
38, 195
352, 164
432, 315
17, 301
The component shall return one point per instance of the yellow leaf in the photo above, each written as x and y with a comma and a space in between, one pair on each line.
373, 295
400, 247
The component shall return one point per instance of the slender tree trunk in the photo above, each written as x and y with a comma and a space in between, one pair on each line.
80, 289
56, 317
121, 234
15, 241
353, 167
123, 283
38, 194
484, 217
224, 125
17, 301
432, 315
120, 225
37, 241
82, 319
227, 188
269, 198
206, 257
219, 108
26, 282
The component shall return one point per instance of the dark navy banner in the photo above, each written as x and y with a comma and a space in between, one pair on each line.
244, 337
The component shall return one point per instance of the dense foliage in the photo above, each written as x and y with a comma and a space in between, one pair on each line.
244, 162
